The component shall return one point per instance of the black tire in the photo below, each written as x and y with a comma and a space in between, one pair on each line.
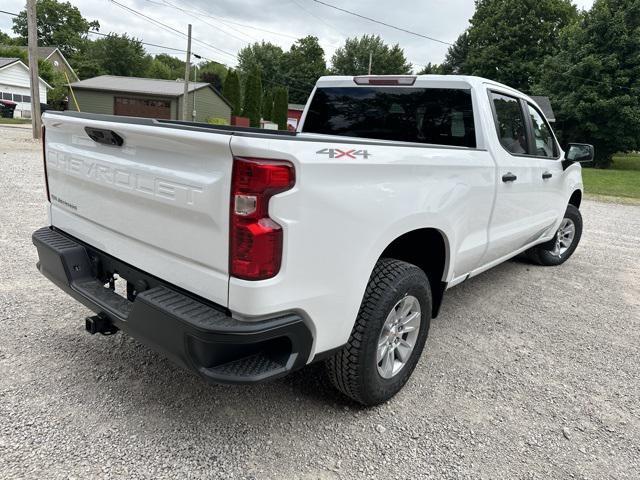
353, 370
543, 254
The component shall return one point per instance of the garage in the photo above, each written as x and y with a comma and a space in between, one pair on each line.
150, 98
142, 107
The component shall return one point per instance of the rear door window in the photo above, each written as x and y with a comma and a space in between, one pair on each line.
424, 115
510, 123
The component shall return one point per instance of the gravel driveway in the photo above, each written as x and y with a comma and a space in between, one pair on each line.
529, 372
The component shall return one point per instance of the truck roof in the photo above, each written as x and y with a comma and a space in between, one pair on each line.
443, 81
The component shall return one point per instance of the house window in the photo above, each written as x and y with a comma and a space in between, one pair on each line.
17, 98
26, 98
6, 96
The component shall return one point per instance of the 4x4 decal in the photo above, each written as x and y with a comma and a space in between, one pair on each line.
338, 153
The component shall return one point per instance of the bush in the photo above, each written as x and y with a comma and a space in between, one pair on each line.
217, 121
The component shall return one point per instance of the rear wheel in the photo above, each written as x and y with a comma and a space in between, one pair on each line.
388, 336
558, 250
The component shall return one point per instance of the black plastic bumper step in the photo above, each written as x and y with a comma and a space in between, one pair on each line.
193, 332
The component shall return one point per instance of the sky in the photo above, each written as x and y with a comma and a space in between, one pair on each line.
222, 27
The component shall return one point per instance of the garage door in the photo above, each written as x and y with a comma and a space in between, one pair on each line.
142, 107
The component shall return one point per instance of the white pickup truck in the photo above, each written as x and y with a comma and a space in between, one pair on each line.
249, 253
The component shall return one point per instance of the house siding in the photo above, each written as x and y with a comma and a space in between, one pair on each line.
92, 101
208, 105
15, 79
62, 66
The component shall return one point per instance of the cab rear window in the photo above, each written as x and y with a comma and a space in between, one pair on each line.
424, 115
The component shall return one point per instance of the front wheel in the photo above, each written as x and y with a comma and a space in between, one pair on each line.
388, 336
558, 250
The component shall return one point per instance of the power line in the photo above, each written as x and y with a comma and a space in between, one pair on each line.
9, 13
169, 4
169, 28
337, 29
176, 31
92, 32
198, 16
599, 82
206, 14
381, 23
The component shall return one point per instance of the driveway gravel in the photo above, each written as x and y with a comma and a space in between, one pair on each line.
528, 373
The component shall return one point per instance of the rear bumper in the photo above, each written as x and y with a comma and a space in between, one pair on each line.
191, 331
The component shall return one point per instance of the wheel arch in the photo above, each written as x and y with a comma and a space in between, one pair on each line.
427, 248
576, 198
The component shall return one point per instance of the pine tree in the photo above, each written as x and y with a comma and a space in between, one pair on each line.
231, 91
280, 107
253, 98
267, 106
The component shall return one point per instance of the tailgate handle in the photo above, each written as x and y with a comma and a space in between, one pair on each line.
106, 137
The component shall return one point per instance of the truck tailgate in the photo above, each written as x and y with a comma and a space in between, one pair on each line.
159, 202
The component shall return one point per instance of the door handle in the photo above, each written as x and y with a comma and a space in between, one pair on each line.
547, 175
509, 177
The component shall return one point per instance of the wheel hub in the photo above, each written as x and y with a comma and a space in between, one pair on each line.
398, 336
564, 237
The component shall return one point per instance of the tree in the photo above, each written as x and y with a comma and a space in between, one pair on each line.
231, 91
8, 51
508, 40
59, 25
253, 98
211, 69
594, 79
455, 61
265, 57
213, 73
158, 69
280, 107
267, 105
303, 64
118, 55
353, 58
175, 65
7, 40
211, 78
432, 69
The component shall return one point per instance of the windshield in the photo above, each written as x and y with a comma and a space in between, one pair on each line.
424, 115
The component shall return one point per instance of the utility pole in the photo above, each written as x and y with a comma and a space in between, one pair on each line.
36, 121
195, 80
187, 67
370, 58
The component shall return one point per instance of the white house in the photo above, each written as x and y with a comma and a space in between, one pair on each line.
14, 86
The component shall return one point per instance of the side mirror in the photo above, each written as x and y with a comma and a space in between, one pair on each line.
580, 152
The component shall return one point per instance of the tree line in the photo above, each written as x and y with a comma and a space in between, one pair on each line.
587, 62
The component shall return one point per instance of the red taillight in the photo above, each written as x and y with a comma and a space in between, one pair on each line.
255, 239
44, 162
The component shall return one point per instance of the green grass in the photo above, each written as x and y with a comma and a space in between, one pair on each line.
622, 180
14, 121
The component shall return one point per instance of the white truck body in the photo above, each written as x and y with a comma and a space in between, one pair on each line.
161, 203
